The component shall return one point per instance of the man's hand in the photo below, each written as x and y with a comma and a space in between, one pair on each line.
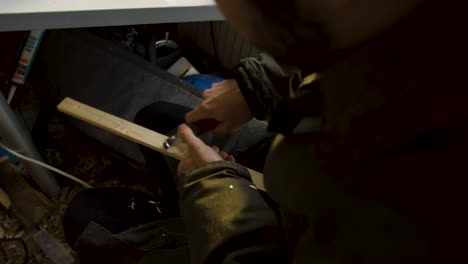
225, 103
200, 153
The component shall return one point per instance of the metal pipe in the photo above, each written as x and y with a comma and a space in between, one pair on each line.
17, 136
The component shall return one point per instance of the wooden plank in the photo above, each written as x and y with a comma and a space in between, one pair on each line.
5, 199
29, 205
121, 127
133, 132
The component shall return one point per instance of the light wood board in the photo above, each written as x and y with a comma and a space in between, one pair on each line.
4, 198
133, 132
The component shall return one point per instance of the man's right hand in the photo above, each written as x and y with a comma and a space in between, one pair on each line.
225, 103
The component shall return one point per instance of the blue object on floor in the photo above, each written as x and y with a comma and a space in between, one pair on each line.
203, 81
13, 159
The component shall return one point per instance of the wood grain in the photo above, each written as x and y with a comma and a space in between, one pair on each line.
133, 132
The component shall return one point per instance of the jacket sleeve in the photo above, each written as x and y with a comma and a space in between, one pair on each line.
263, 82
226, 218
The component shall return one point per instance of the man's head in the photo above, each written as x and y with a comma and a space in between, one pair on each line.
299, 30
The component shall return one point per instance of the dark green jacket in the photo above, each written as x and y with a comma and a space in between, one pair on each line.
372, 169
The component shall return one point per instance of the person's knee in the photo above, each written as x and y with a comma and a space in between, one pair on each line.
143, 116
161, 116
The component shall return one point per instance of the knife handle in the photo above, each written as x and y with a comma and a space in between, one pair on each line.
203, 126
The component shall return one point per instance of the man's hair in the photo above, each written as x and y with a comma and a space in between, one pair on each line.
283, 11
297, 35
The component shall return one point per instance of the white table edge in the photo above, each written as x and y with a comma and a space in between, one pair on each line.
109, 17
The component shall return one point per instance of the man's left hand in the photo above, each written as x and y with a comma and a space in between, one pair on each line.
200, 153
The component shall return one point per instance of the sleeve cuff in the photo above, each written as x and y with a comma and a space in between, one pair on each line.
209, 169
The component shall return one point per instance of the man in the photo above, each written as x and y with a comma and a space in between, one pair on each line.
369, 164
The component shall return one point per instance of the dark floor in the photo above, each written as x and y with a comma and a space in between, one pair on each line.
65, 148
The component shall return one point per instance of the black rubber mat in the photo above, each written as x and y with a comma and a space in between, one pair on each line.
115, 209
